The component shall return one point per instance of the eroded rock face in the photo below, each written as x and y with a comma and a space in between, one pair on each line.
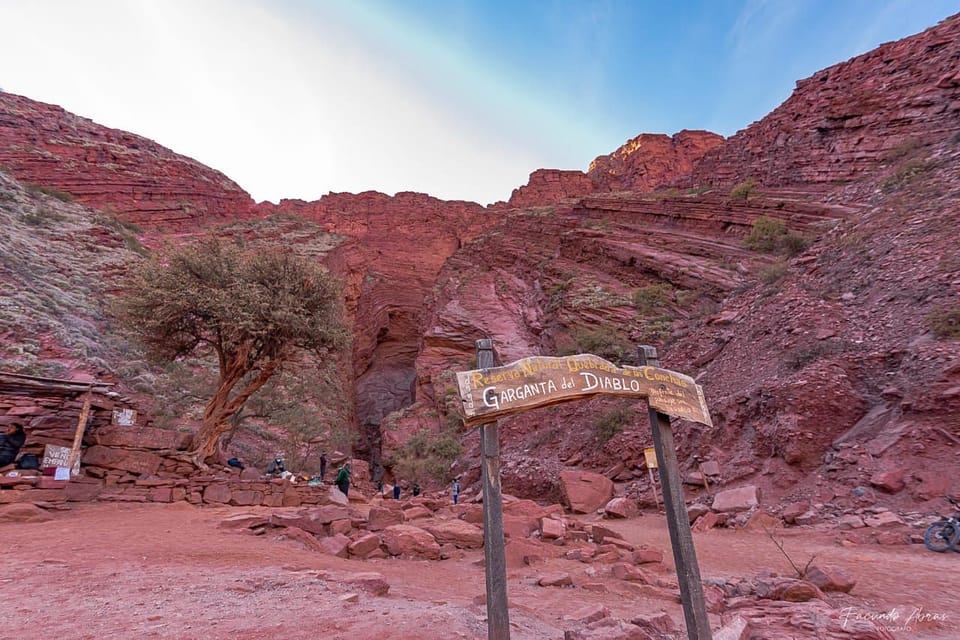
651, 160
394, 248
850, 119
142, 181
547, 186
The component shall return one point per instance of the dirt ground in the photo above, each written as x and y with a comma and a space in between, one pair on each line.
167, 571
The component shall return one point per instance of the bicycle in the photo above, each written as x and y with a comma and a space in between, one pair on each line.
944, 534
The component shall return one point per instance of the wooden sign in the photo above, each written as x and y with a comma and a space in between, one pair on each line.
650, 457
54, 457
124, 417
539, 381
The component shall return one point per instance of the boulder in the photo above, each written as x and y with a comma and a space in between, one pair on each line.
706, 522
556, 579
460, 534
380, 518
891, 481
735, 500
407, 540
416, 512
621, 508
762, 521
601, 534
335, 545
552, 529
23, 512
882, 519
646, 555
629, 572
585, 491
694, 511
364, 545
829, 578
373, 583
243, 521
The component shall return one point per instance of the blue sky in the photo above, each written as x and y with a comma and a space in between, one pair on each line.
461, 99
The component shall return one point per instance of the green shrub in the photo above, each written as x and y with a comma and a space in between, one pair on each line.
765, 234
43, 217
794, 244
773, 273
647, 299
611, 423
427, 455
603, 341
771, 235
944, 321
37, 189
744, 190
907, 173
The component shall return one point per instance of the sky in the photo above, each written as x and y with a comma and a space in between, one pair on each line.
461, 99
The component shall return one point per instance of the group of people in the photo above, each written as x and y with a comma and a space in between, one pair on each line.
277, 468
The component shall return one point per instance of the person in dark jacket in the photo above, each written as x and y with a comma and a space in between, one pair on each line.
10, 443
343, 479
323, 465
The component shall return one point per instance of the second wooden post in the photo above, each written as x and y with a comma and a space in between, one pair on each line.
498, 618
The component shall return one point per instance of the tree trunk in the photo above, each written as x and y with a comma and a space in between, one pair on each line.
216, 416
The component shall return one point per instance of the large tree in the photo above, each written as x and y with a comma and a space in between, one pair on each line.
253, 310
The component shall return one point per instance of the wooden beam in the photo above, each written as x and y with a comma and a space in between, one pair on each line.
81, 428
498, 617
681, 538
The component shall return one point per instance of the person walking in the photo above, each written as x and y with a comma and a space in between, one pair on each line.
323, 465
343, 479
456, 490
396, 491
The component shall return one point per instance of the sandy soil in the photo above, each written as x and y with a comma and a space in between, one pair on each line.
167, 571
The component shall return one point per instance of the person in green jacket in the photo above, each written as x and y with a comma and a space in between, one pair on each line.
343, 479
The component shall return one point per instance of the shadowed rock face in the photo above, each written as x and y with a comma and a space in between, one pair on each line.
394, 250
136, 178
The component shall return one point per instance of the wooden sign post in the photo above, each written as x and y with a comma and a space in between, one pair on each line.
489, 392
678, 523
495, 563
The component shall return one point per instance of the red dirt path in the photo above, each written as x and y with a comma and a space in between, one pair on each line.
167, 571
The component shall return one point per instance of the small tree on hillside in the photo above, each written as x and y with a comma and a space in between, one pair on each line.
253, 311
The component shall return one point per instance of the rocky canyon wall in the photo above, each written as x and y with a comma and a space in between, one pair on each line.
112, 170
850, 120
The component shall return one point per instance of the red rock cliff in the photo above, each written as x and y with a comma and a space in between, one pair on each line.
394, 249
142, 181
849, 120
651, 160
547, 186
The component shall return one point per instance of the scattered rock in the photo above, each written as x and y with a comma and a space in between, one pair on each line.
739, 499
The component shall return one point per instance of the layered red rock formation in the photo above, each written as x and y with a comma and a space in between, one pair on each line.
850, 119
651, 160
799, 356
547, 186
140, 180
393, 250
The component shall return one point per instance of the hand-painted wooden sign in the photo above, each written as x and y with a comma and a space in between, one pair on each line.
539, 381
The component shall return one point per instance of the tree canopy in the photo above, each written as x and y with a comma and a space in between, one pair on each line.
254, 310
